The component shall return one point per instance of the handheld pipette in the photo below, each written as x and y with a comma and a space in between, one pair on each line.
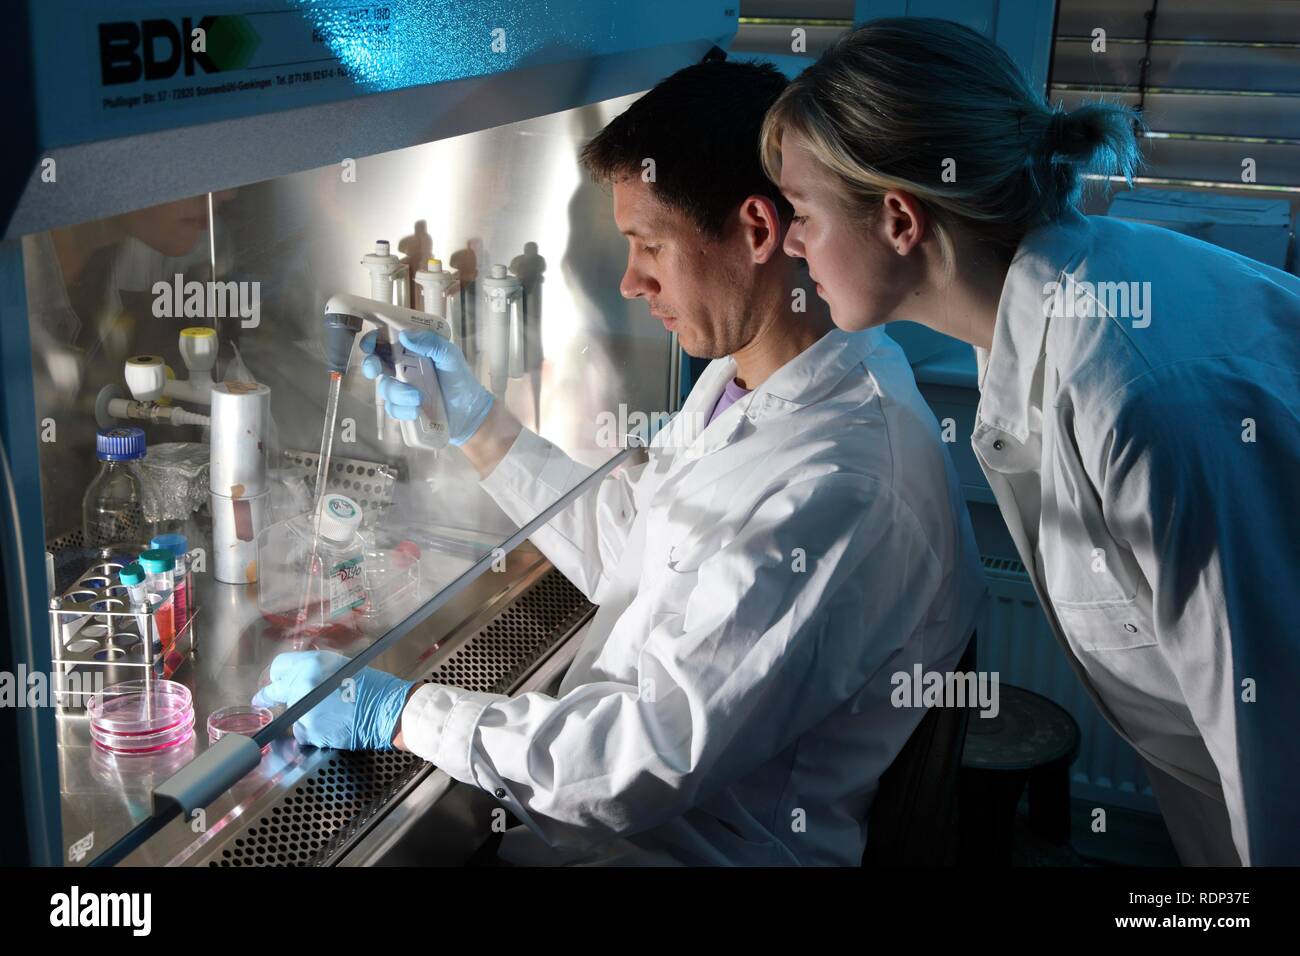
345, 313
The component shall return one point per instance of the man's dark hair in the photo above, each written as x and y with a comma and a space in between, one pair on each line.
701, 127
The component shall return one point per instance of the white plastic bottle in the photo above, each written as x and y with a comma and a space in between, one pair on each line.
342, 554
306, 591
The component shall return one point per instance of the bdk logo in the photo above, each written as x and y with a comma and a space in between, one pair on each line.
157, 49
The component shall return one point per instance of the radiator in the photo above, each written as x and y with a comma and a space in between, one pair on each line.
1016, 642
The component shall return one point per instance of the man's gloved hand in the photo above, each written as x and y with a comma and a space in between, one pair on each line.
361, 714
466, 402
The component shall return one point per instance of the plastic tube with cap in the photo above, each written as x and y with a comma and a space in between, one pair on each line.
159, 566
179, 546
132, 577
388, 274
503, 293
436, 284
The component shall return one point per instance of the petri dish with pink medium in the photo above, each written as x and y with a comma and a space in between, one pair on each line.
243, 719
141, 716
140, 744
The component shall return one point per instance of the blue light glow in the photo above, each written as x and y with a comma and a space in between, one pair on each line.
402, 43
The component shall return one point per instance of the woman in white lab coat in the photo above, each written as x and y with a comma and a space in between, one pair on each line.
1138, 417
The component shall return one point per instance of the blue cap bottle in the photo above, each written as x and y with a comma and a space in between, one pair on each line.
120, 444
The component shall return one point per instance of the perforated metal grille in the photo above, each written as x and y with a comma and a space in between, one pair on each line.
497, 656
128, 527
73, 539
337, 802
304, 824
369, 483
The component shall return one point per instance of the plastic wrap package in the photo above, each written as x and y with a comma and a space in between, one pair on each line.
177, 476
291, 492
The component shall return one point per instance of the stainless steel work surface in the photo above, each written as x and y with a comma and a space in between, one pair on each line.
302, 804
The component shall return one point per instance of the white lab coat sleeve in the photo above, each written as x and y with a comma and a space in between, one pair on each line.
1211, 518
820, 589
586, 539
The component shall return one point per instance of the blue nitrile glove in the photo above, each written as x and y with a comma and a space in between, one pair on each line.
361, 714
466, 402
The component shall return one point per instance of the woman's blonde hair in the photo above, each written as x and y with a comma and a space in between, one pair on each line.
892, 102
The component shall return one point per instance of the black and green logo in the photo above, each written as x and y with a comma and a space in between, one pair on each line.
157, 49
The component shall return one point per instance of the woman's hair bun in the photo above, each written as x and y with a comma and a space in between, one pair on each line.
1094, 132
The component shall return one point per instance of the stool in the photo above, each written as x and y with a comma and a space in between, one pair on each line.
1032, 742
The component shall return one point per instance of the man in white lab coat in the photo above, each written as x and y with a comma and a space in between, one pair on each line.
795, 539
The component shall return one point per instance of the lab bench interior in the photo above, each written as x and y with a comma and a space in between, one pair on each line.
457, 187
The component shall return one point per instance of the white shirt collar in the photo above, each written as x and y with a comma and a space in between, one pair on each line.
805, 379
811, 374
1007, 370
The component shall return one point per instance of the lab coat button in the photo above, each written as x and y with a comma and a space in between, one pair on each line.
499, 793
1131, 628
997, 445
